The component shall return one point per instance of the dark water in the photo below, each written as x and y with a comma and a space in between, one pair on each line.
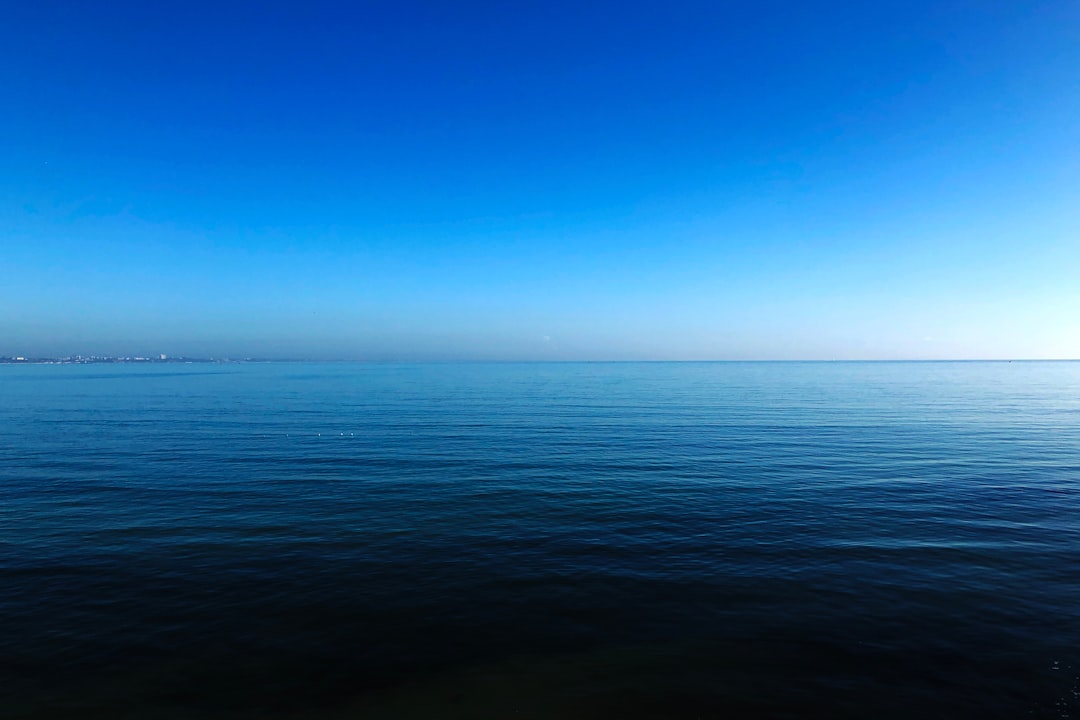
552, 540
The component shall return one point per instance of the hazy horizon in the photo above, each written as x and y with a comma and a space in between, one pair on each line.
416, 182
89, 358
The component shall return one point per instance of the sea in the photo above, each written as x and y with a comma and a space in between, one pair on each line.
550, 540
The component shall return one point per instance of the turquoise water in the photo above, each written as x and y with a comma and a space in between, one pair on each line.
540, 540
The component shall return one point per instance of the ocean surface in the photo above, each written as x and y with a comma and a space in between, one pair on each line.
595, 540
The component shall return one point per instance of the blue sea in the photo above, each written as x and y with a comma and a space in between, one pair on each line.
594, 540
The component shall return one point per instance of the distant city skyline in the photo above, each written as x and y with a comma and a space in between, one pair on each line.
556, 181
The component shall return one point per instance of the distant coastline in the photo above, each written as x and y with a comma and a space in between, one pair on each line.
107, 360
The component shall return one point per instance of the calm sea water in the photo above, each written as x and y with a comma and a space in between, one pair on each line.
540, 540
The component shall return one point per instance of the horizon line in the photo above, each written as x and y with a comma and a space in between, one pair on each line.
182, 359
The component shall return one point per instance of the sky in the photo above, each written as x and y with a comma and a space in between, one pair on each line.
541, 180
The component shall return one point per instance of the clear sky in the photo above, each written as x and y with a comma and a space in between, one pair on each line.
541, 180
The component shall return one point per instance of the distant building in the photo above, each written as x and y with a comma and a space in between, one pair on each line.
162, 356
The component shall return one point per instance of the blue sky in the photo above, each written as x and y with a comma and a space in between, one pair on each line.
606, 180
